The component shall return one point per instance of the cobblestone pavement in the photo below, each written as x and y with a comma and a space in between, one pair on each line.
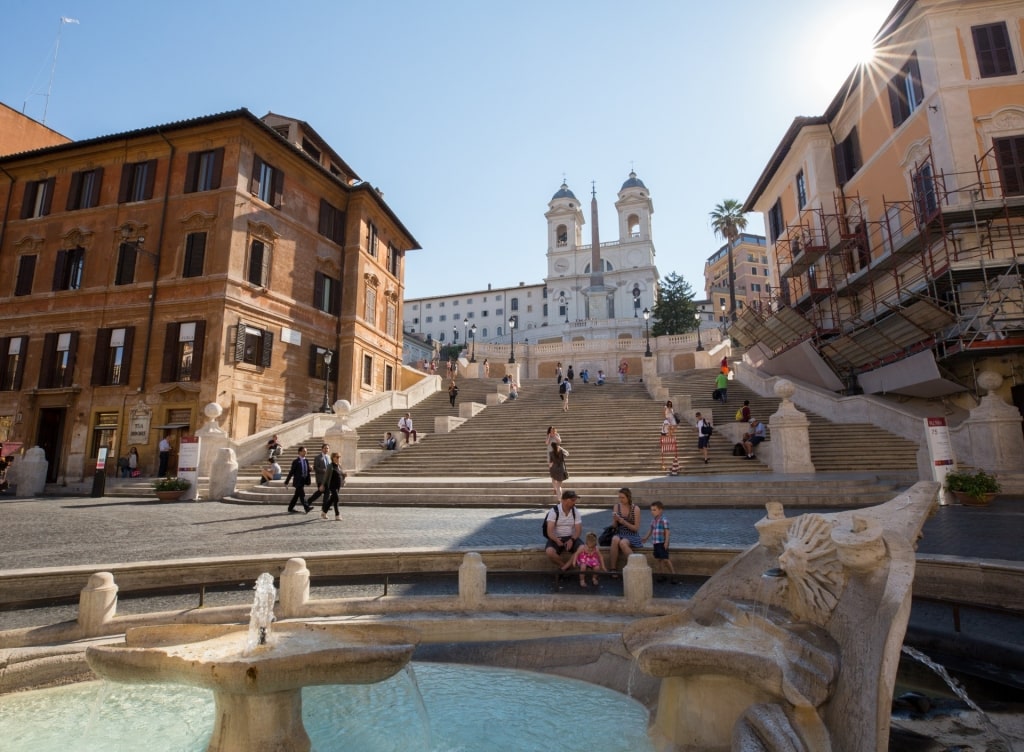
68, 531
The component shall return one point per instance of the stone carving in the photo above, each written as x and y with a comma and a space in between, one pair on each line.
814, 577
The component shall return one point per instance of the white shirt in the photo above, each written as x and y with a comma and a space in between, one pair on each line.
405, 424
565, 525
165, 445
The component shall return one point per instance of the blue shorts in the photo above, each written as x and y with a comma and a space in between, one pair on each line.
703, 442
755, 440
660, 552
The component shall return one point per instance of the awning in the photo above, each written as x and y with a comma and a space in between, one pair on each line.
8, 448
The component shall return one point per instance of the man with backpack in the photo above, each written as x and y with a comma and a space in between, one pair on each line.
564, 390
704, 430
562, 528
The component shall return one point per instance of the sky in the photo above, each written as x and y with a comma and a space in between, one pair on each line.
468, 114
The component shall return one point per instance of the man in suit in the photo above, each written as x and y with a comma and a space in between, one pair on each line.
298, 476
320, 464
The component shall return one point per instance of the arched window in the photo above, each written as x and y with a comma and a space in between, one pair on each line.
633, 223
515, 304
562, 235
606, 265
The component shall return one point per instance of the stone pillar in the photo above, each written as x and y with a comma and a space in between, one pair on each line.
649, 371
294, 592
97, 604
342, 438
30, 472
637, 581
472, 581
993, 429
211, 439
223, 474
791, 443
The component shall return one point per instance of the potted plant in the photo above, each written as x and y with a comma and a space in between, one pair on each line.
170, 489
972, 489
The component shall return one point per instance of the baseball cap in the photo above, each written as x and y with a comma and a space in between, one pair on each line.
569, 495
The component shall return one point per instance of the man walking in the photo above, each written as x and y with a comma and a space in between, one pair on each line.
722, 387
320, 471
164, 448
298, 476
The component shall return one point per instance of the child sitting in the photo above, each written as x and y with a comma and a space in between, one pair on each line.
587, 558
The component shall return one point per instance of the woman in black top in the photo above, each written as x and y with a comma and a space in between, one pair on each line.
333, 481
556, 466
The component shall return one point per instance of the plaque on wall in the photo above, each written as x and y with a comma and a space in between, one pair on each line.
138, 424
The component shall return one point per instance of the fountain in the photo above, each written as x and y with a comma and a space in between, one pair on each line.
793, 645
257, 674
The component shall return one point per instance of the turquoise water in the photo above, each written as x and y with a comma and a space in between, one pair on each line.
463, 709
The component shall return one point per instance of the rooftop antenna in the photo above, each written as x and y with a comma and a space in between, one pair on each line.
53, 68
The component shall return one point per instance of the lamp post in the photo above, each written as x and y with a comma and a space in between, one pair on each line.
636, 300
723, 319
326, 406
564, 302
472, 336
512, 339
465, 332
647, 328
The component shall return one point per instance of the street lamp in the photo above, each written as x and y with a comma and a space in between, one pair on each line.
326, 406
696, 315
512, 339
647, 328
564, 302
465, 333
472, 336
723, 319
636, 300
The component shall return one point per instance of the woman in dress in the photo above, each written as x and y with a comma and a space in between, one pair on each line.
626, 518
670, 418
556, 467
133, 462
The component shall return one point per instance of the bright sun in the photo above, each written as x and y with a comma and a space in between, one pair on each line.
842, 42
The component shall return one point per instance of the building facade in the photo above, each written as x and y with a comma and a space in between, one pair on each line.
755, 276
897, 217
591, 291
209, 260
21, 133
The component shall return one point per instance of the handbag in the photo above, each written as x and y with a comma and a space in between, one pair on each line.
605, 538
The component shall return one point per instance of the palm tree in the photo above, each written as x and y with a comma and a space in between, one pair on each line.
728, 222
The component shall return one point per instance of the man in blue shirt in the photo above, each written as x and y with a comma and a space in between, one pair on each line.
757, 434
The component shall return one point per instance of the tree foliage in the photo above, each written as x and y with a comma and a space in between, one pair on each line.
675, 309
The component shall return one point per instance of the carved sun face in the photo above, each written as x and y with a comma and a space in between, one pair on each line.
814, 574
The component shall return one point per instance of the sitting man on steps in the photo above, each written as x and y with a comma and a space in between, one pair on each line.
757, 434
405, 426
562, 528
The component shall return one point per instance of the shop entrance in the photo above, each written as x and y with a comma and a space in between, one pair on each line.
50, 437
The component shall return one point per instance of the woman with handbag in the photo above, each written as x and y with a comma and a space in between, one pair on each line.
626, 519
556, 467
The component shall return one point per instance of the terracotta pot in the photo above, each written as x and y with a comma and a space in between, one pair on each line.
973, 501
168, 495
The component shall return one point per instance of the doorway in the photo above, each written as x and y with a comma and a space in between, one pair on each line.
50, 437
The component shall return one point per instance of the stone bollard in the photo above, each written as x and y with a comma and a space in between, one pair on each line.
294, 594
637, 580
790, 437
97, 604
472, 580
223, 474
30, 472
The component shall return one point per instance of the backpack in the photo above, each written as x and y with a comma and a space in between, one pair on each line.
562, 388
739, 414
738, 450
544, 522
706, 428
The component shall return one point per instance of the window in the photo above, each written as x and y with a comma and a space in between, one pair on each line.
183, 351
392, 326
371, 306
442, 317
389, 377
58, 364
113, 356
124, 274
332, 222
367, 370
562, 236
307, 146
326, 294
317, 367
253, 345
267, 183
38, 198
202, 173
905, 92
515, 304
85, 189
26, 274
371, 239
430, 319
137, 181
394, 255
925, 200
776, 225
992, 46
13, 351
195, 254
259, 264
755, 287
847, 153
801, 190
1010, 160
67, 272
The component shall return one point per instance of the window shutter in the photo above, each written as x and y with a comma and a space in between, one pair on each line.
314, 361
339, 227
190, 172
218, 167
69, 372
257, 170
127, 173
150, 179
324, 227
47, 185
895, 103
100, 356
58, 269
268, 348
49, 356
195, 252
75, 192
914, 71
318, 292
256, 263
278, 188
240, 342
169, 369
94, 198
126, 355
26, 274
198, 344
336, 298
5, 343
20, 370
28, 200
